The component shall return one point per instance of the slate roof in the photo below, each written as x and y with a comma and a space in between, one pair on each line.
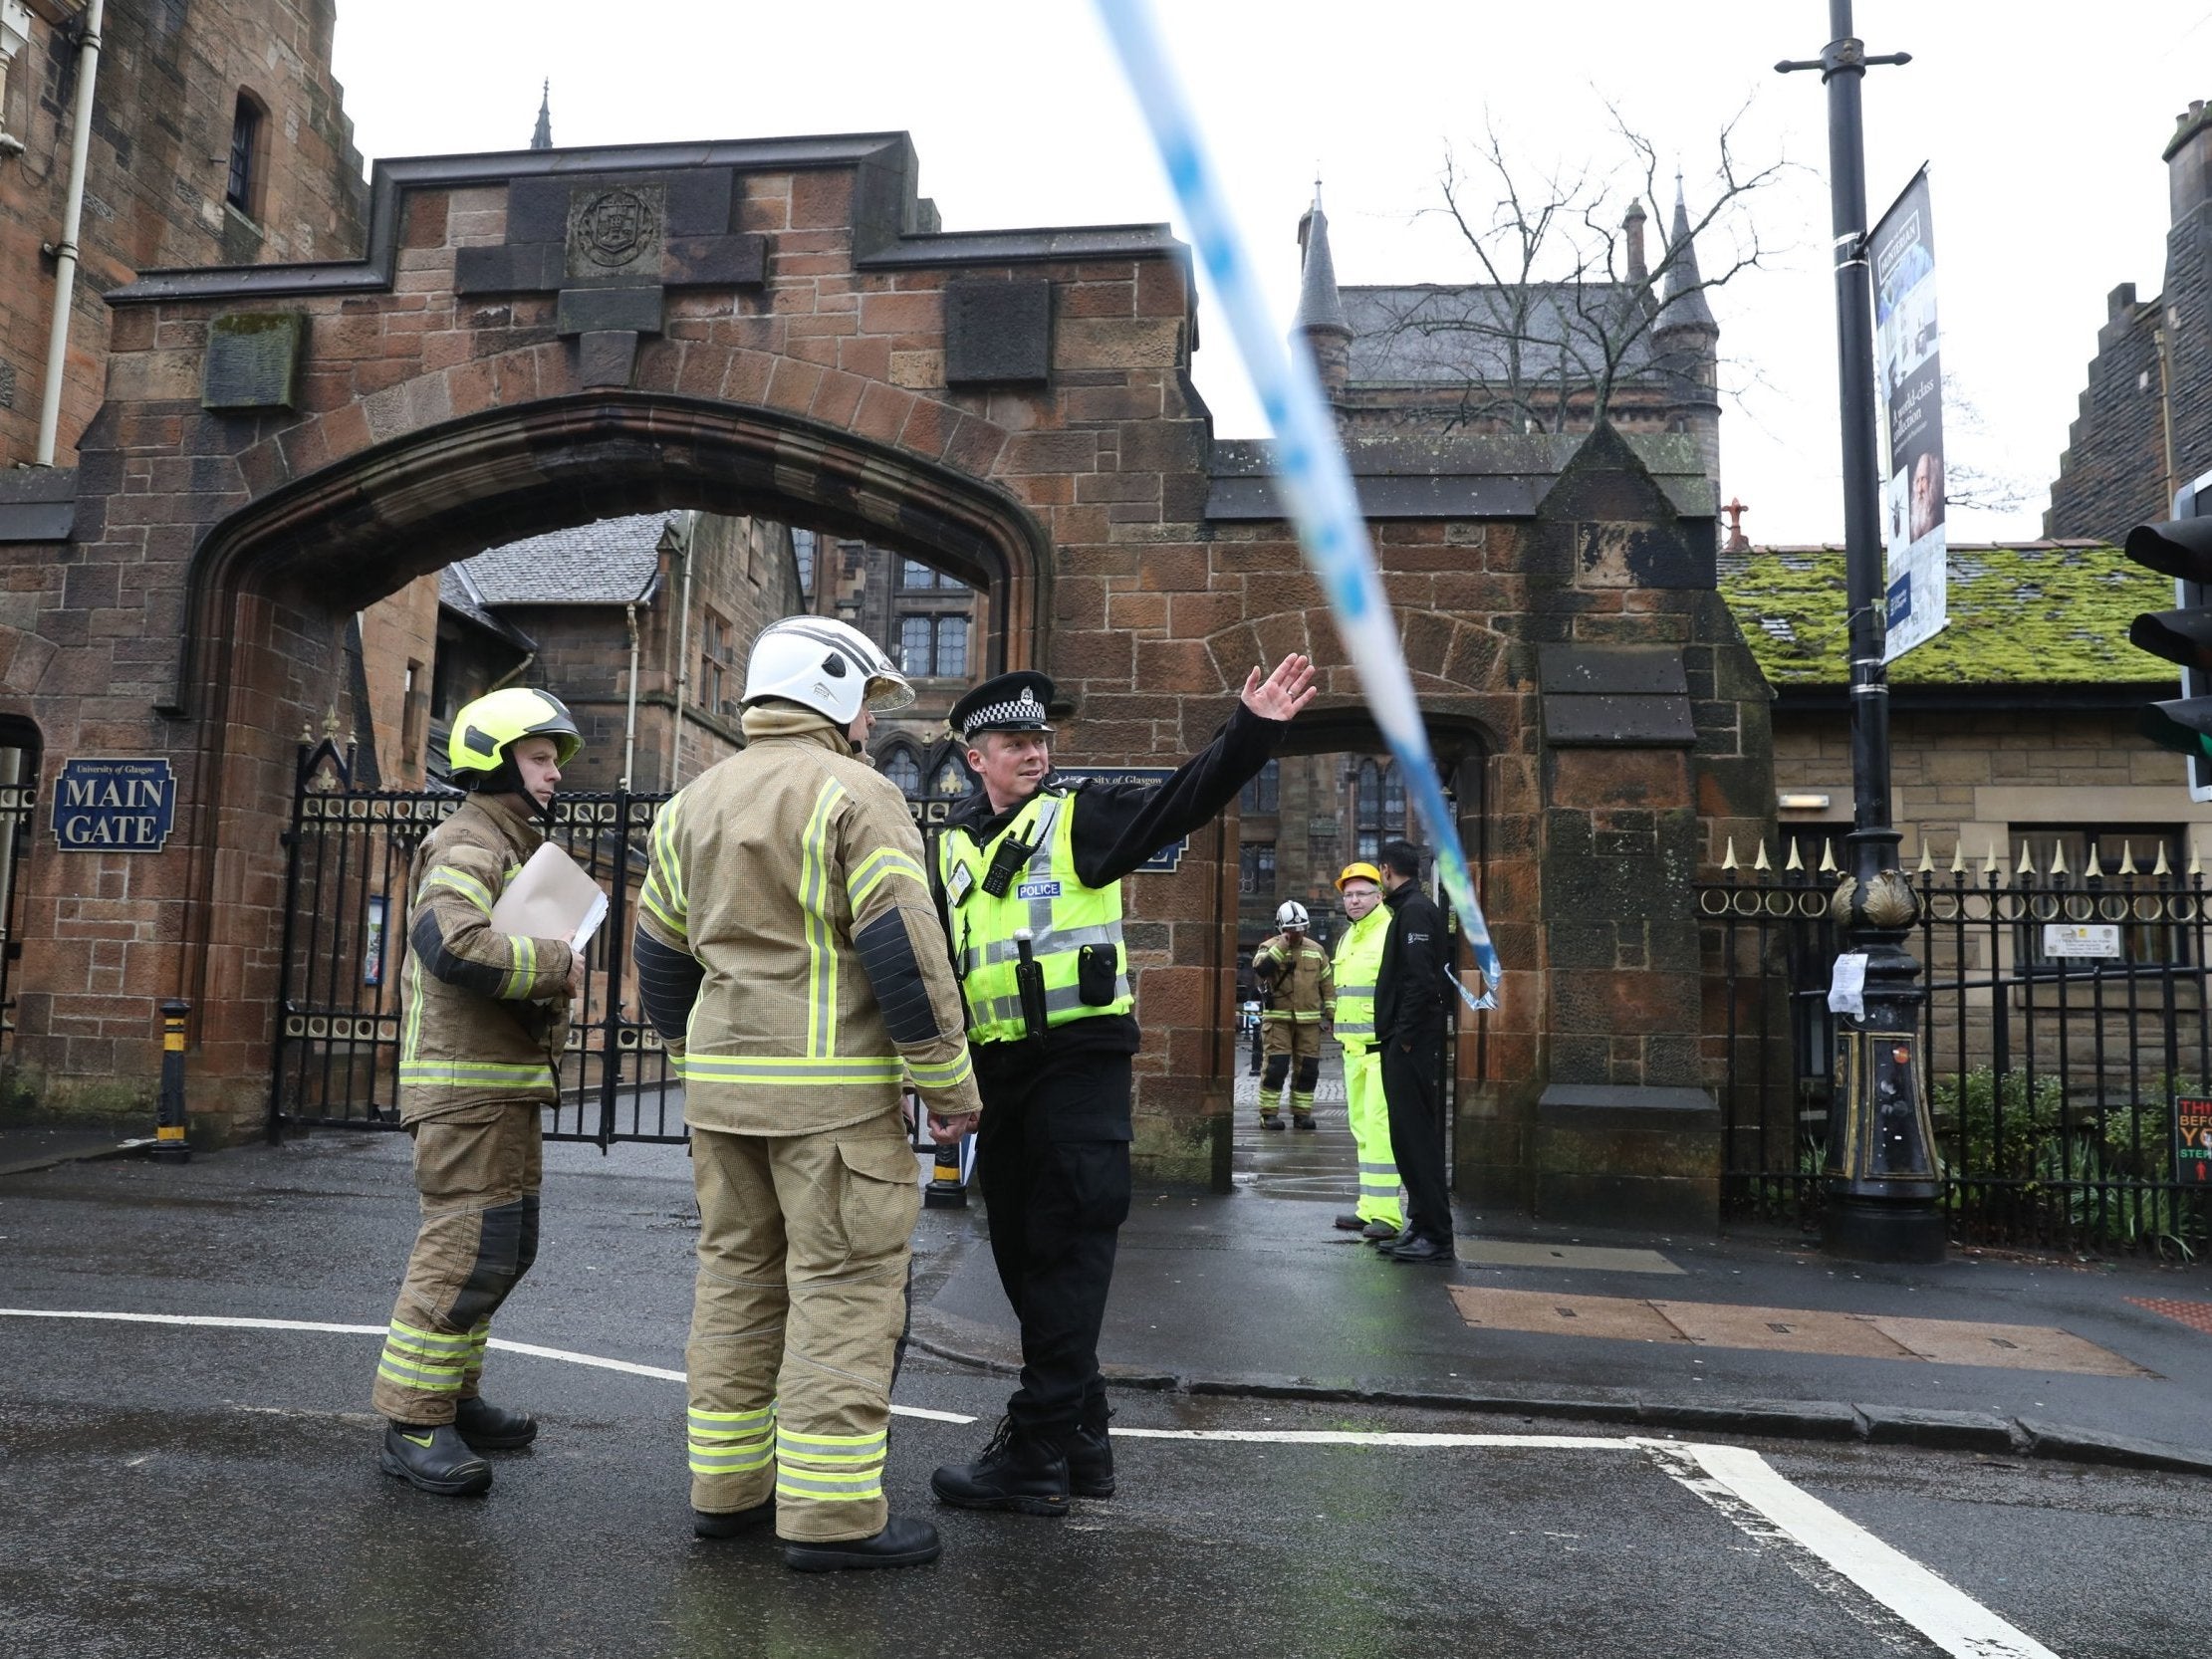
1452, 333
611, 561
1319, 303
1681, 289
2033, 613
457, 593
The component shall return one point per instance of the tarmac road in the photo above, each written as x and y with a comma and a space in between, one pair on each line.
188, 1490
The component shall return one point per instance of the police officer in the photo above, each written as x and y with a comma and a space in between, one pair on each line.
483, 1021
1301, 988
1359, 957
788, 948
1409, 1025
1030, 874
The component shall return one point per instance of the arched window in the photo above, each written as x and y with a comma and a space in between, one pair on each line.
244, 187
952, 778
902, 768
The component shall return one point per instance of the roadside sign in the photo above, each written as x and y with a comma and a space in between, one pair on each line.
115, 804
2192, 1140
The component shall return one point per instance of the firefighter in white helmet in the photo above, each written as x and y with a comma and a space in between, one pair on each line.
788, 949
1298, 1000
483, 1022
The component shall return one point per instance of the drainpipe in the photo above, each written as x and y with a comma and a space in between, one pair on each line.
513, 675
683, 653
630, 717
65, 253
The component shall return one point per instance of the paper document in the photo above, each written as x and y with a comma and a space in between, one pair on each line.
551, 898
1847, 987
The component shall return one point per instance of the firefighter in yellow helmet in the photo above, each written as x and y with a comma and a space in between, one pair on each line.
788, 948
483, 1021
1359, 957
1301, 999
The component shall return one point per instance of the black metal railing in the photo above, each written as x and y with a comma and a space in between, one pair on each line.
2066, 1013
344, 947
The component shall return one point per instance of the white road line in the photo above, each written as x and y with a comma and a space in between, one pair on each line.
565, 1355
1359, 1437
1953, 1620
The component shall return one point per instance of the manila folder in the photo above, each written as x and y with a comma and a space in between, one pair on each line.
551, 898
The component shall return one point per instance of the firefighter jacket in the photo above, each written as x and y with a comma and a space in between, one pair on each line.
1075, 930
1301, 983
1358, 960
483, 1016
787, 942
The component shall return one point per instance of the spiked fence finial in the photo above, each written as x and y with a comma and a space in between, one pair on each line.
1729, 861
2027, 865
1762, 862
1795, 862
2128, 858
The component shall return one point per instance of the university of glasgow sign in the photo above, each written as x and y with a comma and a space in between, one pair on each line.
111, 804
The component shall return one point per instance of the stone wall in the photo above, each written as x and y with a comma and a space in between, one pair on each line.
165, 94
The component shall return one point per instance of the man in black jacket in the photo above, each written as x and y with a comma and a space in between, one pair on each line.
1029, 874
1409, 1025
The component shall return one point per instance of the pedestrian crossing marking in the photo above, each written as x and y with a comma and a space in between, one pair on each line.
1790, 1330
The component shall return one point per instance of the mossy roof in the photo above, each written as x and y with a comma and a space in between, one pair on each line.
2033, 613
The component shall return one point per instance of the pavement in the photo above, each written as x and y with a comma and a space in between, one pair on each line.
1255, 1294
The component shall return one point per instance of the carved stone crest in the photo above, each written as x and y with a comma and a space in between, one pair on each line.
614, 231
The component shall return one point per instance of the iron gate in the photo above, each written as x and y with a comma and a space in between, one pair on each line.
345, 948
2051, 1075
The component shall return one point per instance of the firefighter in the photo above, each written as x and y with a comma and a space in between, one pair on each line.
1300, 1000
788, 951
1030, 876
483, 1022
1359, 956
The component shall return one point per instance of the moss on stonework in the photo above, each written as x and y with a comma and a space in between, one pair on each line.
2039, 615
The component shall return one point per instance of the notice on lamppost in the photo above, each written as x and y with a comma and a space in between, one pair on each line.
1903, 250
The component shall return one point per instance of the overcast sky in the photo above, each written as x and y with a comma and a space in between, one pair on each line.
2041, 122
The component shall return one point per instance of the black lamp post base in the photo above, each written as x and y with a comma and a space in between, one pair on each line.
1883, 1230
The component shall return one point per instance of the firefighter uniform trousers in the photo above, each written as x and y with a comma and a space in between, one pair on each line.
795, 1315
1293, 1046
478, 1170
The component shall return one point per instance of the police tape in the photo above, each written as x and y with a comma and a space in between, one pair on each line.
1311, 475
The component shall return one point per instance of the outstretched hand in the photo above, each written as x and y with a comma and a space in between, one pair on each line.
1283, 693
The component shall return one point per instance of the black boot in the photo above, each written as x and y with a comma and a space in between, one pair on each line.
899, 1544
1016, 1471
433, 1457
493, 1428
1089, 1456
727, 1523
1270, 1120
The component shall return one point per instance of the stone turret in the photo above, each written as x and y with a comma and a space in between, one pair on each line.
1685, 342
1321, 308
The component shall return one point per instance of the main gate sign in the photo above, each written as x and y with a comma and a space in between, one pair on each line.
104, 804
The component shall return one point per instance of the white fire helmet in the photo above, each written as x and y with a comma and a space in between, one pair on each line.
1292, 917
828, 665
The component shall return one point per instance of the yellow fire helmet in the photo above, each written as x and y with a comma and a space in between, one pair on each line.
485, 729
1360, 872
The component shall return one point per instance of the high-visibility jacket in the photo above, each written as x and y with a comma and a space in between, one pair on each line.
1302, 986
1359, 957
1075, 930
790, 876
483, 1015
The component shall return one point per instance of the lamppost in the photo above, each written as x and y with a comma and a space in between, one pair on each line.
1879, 1172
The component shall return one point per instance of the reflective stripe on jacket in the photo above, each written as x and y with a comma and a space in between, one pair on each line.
1359, 957
792, 874
483, 1016
1304, 985
1063, 917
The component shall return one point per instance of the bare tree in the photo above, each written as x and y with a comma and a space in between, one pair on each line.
1567, 304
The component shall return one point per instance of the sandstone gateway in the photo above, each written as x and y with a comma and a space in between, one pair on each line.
781, 328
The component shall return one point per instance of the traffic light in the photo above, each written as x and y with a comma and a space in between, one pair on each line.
2181, 549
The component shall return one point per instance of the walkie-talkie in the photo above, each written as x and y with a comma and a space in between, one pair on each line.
1006, 863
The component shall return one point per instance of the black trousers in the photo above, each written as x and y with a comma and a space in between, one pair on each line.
1052, 1153
1413, 1091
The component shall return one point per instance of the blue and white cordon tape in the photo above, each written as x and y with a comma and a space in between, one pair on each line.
1310, 471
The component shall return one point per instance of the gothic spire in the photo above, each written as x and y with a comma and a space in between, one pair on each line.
543, 137
1681, 289
1319, 303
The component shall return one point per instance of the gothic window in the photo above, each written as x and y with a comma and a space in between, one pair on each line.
1393, 802
718, 679
952, 778
1264, 791
914, 576
917, 645
952, 645
1256, 869
902, 769
245, 155
802, 551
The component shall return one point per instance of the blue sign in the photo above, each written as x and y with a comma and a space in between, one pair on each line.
1169, 858
115, 805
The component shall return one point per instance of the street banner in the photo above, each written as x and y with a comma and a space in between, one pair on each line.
1911, 367
1311, 477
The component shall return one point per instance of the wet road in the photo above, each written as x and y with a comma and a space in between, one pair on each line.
186, 1490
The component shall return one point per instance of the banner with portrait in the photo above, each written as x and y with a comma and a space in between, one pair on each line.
1910, 369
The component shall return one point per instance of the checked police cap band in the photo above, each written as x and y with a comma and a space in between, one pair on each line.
1013, 702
